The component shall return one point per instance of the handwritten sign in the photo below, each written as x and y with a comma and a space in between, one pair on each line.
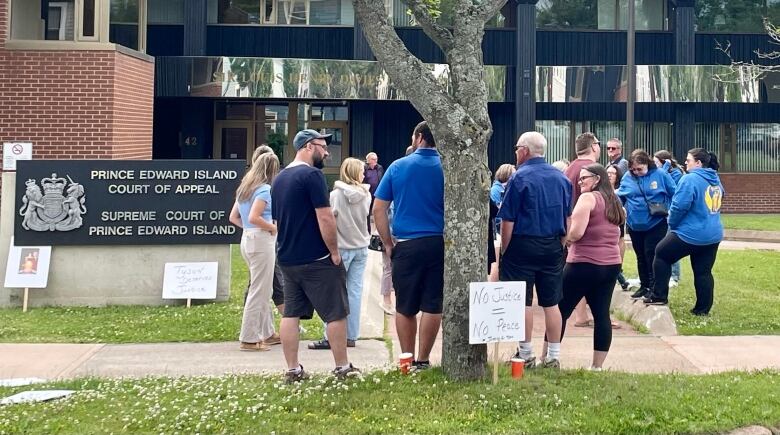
190, 281
496, 312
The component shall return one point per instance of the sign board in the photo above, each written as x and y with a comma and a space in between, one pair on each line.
126, 202
13, 151
496, 312
190, 281
27, 267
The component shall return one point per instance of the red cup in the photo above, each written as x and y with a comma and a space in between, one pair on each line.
405, 362
518, 366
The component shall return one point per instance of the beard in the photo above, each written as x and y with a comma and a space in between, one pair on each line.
318, 161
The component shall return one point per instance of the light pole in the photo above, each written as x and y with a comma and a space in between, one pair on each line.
631, 94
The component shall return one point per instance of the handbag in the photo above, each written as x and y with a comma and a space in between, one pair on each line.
375, 244
656, 208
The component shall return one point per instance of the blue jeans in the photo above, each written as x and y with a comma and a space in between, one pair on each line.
676, 271
355, 262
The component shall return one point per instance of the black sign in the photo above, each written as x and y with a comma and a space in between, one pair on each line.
126, 202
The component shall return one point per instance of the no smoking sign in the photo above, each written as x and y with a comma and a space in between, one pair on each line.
13, 151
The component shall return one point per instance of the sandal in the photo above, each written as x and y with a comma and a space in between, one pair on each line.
585, 324
319, 345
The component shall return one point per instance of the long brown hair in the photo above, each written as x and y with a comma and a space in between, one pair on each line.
663, 156
615, 213
263, 171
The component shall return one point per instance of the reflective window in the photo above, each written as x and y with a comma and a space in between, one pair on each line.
281, 12
165, 11
123, 27
735, 15
600, 14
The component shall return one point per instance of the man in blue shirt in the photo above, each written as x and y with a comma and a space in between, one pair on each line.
415, 186
534, 216
314, 277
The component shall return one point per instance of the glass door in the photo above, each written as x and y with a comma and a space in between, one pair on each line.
338, 149
233, 140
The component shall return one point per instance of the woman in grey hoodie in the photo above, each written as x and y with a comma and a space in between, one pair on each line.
350, 201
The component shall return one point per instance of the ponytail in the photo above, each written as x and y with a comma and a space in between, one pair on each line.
714, 165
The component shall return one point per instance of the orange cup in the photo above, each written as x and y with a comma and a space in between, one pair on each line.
518, 366
405, 362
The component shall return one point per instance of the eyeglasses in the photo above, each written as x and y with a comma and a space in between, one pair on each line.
517, 147
324, 147
612, 148
636, 169
582, 179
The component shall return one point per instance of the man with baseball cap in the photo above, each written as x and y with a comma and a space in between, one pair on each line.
315, 278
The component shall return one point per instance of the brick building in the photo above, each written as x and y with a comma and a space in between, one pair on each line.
139, 79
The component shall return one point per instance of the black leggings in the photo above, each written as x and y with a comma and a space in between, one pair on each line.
644, 243
671, 250
595, 283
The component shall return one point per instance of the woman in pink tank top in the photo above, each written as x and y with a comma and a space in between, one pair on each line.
594, 258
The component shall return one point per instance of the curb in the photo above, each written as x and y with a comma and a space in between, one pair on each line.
657, 319
752, 236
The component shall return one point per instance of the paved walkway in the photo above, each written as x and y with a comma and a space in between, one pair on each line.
630, 352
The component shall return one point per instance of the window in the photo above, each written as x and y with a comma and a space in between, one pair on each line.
600, 14
735, 15
81, 21
166, 11
281, 12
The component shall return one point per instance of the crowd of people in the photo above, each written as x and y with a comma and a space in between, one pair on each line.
558, 227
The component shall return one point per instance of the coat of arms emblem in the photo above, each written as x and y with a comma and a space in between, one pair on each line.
58, 208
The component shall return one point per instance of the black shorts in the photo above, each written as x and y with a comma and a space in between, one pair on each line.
319, 285
418, 275
278, 294
538, 262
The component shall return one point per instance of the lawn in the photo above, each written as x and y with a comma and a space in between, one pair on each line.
758, 222
747, 295
138, 324
542, 402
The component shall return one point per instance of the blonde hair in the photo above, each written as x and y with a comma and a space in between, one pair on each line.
504, 172
561, 165
263, 171
351, 170
259, 151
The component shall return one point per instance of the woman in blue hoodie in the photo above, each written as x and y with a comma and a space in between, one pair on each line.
696, 230
645, 185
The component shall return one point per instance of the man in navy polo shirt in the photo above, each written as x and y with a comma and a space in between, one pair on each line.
415, 186
314, 277
534, 215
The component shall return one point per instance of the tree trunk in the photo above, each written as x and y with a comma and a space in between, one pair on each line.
466, 188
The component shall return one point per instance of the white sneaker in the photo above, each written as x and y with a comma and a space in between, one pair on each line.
673, 283
594, 369
633, 284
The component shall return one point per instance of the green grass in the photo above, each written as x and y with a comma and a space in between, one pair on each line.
138, 324
747, 295
757, 222
542, 402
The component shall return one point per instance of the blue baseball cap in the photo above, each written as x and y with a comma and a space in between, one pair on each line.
305, 136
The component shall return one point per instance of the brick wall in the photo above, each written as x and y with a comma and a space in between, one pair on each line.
751, 193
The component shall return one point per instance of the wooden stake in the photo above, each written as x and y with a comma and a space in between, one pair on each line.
189, 302
495, 363
26, 297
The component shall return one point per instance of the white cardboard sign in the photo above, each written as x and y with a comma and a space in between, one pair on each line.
496, 312
27, 266
190, 280
13, 151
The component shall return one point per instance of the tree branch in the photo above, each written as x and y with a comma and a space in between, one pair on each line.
422, 14
412, 77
